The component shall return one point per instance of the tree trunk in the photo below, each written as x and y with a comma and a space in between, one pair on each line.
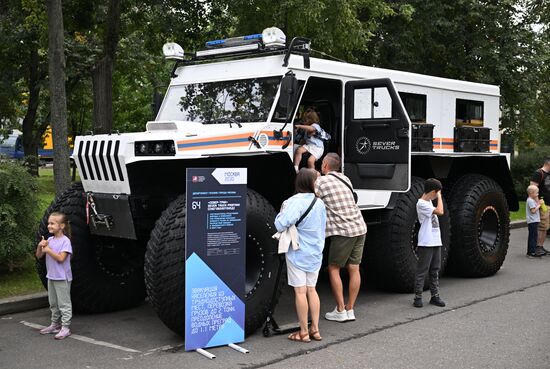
58, 99
30, 144
102, 81
102, 74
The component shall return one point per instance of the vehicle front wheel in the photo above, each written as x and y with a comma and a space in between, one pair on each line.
107, 272
165, 264
391, 247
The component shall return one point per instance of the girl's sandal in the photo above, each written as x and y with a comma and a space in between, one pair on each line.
299, 337
315, 335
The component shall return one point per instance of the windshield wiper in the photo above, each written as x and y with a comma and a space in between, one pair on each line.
229, 120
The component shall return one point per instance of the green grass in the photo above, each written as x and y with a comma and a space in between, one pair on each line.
520, 214
46, 190
21, 281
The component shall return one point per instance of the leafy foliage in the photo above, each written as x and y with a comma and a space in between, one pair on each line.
486, 41
502, 42
340, 28
523, 167
17, 222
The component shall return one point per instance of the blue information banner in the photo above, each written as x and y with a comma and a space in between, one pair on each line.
215, 241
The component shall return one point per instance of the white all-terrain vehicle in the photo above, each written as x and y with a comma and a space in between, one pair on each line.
235, 104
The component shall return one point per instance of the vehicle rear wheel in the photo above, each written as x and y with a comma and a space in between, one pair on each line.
107, 272
481, 226
391, 254
165, 264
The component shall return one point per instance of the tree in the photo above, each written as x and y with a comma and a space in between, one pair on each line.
102, 72
56, 56
23, 67
339, 28
487, 41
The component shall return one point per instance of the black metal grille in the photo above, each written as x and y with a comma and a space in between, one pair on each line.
107, 167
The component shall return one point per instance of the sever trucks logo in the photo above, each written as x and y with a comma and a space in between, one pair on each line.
363, 145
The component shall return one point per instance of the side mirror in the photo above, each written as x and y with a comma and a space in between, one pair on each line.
289, 92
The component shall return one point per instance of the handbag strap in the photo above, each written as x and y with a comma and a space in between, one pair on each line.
307, 211
341, 180
542, 176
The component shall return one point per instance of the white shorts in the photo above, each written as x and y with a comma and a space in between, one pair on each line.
314, 150
299, 278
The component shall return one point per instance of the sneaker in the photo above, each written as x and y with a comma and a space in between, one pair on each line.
436, 300
418, 302
531, 255
337, 316
52, 328
546, 251
63, 333
540, 251
351, 315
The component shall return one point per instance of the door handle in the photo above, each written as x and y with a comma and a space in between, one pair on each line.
375, 125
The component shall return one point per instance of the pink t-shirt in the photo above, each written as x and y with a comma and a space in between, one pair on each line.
59, 271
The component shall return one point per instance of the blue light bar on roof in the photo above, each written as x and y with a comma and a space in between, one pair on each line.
233, 41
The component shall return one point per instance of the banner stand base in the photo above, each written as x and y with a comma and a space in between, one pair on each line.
206, 354
238, 348
271, 327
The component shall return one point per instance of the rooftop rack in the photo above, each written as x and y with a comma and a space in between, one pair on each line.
256, 48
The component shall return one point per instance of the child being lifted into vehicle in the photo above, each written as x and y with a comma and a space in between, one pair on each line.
314, 137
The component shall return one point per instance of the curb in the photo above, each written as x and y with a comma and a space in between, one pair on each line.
19, 304
518, 224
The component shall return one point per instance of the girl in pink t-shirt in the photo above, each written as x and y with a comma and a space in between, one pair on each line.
58, 251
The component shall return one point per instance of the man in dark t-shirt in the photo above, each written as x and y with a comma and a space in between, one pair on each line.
541, 179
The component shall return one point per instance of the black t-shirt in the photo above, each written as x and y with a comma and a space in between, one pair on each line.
543, 179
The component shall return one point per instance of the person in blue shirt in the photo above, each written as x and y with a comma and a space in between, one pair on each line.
304, 263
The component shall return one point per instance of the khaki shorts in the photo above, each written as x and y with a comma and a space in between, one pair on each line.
544, 223
346, 250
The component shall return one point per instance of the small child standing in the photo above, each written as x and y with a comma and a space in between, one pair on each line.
429, 243
58, 251
314, 139
532, 216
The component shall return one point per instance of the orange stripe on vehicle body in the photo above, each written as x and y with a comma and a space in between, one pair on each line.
216, 138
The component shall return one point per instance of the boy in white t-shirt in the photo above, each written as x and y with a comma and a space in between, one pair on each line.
429, 243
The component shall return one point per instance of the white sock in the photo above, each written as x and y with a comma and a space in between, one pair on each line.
296, 168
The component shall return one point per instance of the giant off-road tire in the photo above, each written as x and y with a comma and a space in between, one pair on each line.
481, 226
107, 272
391, 247
165, 263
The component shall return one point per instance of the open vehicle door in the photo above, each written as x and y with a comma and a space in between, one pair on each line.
377, 149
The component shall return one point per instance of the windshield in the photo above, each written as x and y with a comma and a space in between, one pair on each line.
246, 100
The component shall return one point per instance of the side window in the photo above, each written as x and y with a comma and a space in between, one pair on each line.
372, 103
362, 103
469, 112
415, 105
382, 103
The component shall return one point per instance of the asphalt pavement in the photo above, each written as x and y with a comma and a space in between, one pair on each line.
496, 322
